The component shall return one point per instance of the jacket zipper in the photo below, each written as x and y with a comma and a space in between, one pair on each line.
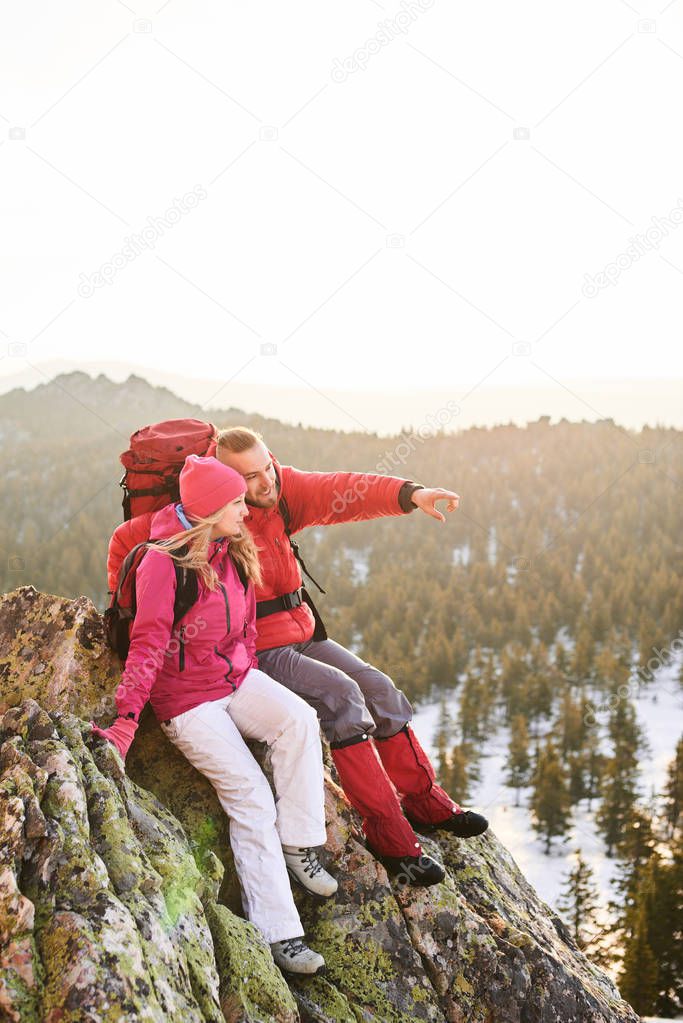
181, 651
229, 663
227, 618
227, 606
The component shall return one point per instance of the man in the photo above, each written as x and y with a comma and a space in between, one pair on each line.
362, 713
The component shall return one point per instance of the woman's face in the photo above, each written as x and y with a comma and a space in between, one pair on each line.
230, 522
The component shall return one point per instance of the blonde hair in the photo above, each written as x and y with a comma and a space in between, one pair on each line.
237, 438
242, 549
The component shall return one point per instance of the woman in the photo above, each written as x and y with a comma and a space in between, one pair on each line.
205, 688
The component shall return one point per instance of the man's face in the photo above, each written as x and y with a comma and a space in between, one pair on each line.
257, 468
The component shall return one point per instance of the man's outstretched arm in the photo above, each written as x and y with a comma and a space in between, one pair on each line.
328, 498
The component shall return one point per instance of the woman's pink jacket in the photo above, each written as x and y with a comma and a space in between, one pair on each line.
207, 654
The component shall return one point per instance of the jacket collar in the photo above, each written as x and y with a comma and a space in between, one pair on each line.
166, 522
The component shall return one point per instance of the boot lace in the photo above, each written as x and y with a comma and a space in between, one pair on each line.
310, 861
293, 947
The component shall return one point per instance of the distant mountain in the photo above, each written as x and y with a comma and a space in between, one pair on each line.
76, 405
371, 408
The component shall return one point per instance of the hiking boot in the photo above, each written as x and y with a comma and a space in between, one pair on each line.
305, 867
464, 824
415, 870
294, 956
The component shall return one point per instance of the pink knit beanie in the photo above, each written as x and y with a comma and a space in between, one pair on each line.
206, 485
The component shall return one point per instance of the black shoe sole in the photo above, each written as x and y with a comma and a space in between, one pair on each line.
430, 829
395, 866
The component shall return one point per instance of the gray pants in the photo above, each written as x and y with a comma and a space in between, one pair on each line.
349, 695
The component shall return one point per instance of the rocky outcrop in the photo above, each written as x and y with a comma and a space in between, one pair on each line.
118, 896
104, 914
53, 650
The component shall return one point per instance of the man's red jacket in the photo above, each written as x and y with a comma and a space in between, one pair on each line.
313, 499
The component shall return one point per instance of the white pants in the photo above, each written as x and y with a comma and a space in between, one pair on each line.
210, 736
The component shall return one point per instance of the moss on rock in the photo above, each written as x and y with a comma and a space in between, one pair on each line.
252, 987
119, 899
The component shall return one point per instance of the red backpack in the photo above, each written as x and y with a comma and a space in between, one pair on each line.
154, 460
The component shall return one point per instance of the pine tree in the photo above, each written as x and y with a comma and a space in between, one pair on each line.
663, 882
443, 738
625, 733
639, 982
635, 848
594, 761
561, 659
570, 724
514, 674
584, 651
540, 692
576, 771
459, 773
470, 712
488, 690
619, 781
651, 916
648, 638
440, 661
618, 798
673, 792
667, 931
579, 902
518, 762
550, 800
611, 669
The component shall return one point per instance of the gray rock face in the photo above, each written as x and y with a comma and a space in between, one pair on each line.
104, 914
119, 901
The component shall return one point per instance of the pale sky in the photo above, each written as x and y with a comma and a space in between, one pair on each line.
391, 197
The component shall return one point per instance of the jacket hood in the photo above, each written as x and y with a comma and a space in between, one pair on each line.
165, 523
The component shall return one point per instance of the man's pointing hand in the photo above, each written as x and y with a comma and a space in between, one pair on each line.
426, 499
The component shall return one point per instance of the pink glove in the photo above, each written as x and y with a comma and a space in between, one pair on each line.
121, 733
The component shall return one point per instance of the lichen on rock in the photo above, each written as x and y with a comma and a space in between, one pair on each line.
119, 898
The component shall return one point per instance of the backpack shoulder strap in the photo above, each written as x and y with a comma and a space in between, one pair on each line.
127, 570
187, 588
283, 508
243, 577
286, 518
